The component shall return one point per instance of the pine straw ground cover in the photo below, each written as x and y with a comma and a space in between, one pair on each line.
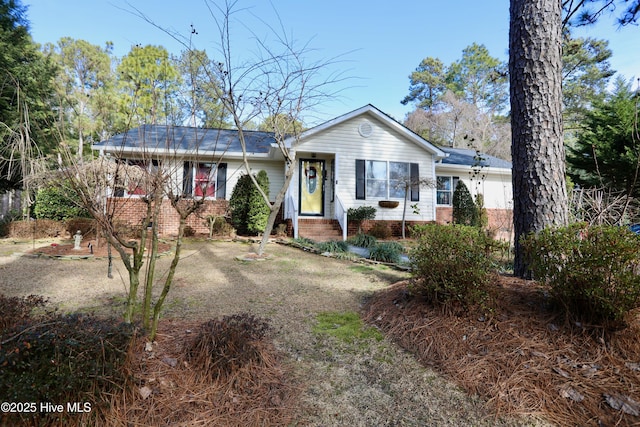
522, 359
170, 389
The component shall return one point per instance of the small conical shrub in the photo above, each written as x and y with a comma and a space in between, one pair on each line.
249, 212
464, 209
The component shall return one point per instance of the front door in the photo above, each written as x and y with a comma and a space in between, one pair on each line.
312, 187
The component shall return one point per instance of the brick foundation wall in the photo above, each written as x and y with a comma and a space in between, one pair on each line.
500, 220
394, 226
132, 211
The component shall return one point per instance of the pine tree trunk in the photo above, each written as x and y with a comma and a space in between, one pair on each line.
535, 68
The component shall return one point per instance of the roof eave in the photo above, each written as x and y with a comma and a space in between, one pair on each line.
179, 152
466, 168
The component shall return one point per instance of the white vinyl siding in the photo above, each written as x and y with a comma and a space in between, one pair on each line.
384, 144
496, 187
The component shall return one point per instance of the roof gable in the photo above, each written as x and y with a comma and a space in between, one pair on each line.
385, 119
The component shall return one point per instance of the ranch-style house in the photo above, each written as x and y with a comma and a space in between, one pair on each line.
362, 158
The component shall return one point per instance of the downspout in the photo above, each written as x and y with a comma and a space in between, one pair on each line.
434, 192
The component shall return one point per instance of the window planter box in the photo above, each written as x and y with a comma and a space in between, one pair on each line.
388, 204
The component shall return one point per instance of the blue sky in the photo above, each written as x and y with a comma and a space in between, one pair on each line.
378, 43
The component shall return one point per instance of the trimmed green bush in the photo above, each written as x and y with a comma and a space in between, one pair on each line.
450, 264
249, 212
464, 209
592, 270
58, 203
360, 214
386, 252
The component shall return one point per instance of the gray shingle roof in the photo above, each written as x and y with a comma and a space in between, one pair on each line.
467, 157
153, 137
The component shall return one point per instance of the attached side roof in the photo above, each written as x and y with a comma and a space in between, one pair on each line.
183, 139
384, 118
467, 157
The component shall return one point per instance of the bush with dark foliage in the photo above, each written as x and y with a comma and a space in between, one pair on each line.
59, 358
58, 203
16, 310
380, 230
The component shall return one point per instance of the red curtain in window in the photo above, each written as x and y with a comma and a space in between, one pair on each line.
205, 184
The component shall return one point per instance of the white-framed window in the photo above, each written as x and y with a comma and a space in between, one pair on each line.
383, 179
204, 179
377, 179
445, 185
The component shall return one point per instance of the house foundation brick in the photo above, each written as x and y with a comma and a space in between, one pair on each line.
131, 212
500, 221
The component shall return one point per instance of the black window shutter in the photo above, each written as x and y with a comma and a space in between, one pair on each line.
360, 182
415, 184
187, 179
221, 187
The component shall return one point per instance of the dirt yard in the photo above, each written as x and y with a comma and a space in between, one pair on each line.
377, 384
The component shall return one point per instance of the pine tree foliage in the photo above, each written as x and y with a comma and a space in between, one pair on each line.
607, 150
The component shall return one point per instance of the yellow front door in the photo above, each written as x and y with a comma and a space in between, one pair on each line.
312, 187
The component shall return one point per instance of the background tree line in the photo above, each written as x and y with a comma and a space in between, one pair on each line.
466, 103
91, 94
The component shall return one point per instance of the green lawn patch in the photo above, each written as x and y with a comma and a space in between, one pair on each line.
347, 327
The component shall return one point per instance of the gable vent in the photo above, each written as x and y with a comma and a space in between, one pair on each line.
365, 129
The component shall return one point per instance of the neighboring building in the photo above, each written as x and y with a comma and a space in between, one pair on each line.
358, 159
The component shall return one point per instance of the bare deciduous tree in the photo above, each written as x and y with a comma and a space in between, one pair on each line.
277, 83
107, 186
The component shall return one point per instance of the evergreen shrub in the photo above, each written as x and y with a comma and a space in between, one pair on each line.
592, 270
360, 214
58, 203
464, 209
249, 212
450, 265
